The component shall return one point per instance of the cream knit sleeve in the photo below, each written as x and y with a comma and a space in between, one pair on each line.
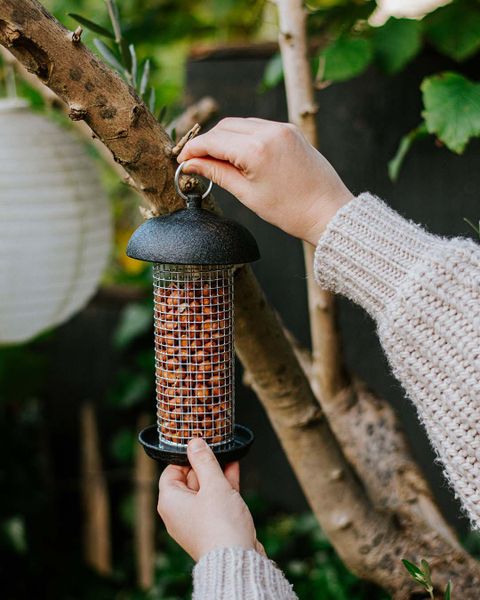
424, 293
237, 574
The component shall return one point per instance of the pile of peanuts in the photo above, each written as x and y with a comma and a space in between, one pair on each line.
194, 358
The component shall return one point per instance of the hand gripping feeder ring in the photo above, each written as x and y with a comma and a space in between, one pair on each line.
194, 253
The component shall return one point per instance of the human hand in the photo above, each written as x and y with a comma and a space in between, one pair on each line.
272, 169
201, 506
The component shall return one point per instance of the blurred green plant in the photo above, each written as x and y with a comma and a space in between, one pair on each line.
422, 575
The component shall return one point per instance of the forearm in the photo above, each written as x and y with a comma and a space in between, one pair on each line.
236, 574
424, 293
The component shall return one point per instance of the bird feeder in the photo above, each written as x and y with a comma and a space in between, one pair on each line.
194, 254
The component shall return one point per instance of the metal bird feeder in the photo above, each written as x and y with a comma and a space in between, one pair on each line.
194, 254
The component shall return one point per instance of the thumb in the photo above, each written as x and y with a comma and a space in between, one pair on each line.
204, 463
220, 172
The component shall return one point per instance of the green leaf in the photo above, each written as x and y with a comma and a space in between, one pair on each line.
475, 228
123, 445
108, 55
92, 26
406, 142
455, 29
414, 571
162, 113
273, 73
448, 591
134, 63
145, 77
346, 57
135, 320
452, 109
152, 100
396, 43
426, 570
174, 134
14, 529
125, 53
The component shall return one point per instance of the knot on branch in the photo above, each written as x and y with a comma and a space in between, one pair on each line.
10, 33
77, 112
33, 57
76, 36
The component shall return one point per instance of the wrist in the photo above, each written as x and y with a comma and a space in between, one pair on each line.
326, 209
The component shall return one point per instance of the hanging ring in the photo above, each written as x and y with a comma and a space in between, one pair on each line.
177, 186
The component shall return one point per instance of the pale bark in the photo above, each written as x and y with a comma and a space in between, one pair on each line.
145, 500
326, 377
97, 538
370, 542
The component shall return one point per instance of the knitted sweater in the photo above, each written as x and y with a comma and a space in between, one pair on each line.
424, 293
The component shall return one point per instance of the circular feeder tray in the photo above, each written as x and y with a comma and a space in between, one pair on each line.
175, 455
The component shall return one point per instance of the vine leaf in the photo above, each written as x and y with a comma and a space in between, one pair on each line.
134, 63
414, 571
396, 43
145, 77
476, 228
273, 73
346, 57
92, 26
406, 142
108, 55
454, 30
452, 109
152, 99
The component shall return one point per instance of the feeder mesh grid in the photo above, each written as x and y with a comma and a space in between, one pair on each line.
194, 353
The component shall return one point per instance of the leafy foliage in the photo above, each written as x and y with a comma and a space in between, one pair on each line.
345, 58
423, 576
452, 109
396, 43
455, 29
405, 144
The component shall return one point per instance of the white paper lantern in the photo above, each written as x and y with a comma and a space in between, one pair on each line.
55, 224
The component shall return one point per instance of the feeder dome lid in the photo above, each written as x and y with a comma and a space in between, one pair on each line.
193, 236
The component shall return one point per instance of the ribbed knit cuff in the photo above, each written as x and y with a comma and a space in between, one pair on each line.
366, 251
238, 574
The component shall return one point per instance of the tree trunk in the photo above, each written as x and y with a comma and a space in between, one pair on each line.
371, 541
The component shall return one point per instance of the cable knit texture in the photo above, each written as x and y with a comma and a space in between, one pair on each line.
424, 293
237, 574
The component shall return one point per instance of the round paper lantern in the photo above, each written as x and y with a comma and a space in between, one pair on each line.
56, 225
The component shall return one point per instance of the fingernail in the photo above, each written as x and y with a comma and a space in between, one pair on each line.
196, 444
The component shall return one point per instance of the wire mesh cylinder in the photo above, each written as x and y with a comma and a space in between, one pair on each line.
194, 353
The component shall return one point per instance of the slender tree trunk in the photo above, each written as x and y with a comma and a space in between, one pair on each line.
369, 540
145, 497
97, 543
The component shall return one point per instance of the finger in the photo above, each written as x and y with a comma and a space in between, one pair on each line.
220, 172
232, 474
259, 548
224, 145
192, 481
173, 476
204, 463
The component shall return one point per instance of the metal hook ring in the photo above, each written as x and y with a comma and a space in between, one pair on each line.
177, 186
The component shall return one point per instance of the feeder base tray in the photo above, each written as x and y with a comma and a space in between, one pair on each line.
174, 455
